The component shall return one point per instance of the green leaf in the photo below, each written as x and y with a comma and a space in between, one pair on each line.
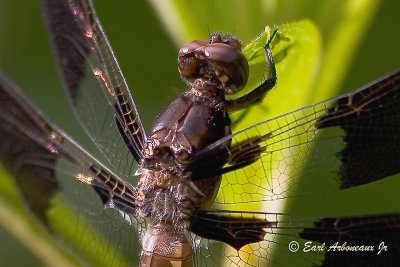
295, 45
341, 25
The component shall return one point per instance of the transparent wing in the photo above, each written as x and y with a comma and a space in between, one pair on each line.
65, 187
95, 84
339, 143
290, 240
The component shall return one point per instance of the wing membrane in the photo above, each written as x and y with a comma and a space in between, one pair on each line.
49, 168
339, 143
94, 81
281, 233
378, 232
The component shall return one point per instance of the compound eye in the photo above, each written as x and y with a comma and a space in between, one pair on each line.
188, 64
229, 64
234, 42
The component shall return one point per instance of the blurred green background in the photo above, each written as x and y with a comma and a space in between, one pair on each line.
147, 55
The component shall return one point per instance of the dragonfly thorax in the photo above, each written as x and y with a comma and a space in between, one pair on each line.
166, 193
186, 126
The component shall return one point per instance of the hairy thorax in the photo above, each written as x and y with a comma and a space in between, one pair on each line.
188, 125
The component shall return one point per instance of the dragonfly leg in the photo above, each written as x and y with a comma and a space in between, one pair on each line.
259, 92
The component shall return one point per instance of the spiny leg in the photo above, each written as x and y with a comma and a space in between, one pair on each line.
259, 92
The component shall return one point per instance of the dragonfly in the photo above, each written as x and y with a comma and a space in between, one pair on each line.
192, 192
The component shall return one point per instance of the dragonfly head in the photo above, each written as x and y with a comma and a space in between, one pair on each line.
218, 60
